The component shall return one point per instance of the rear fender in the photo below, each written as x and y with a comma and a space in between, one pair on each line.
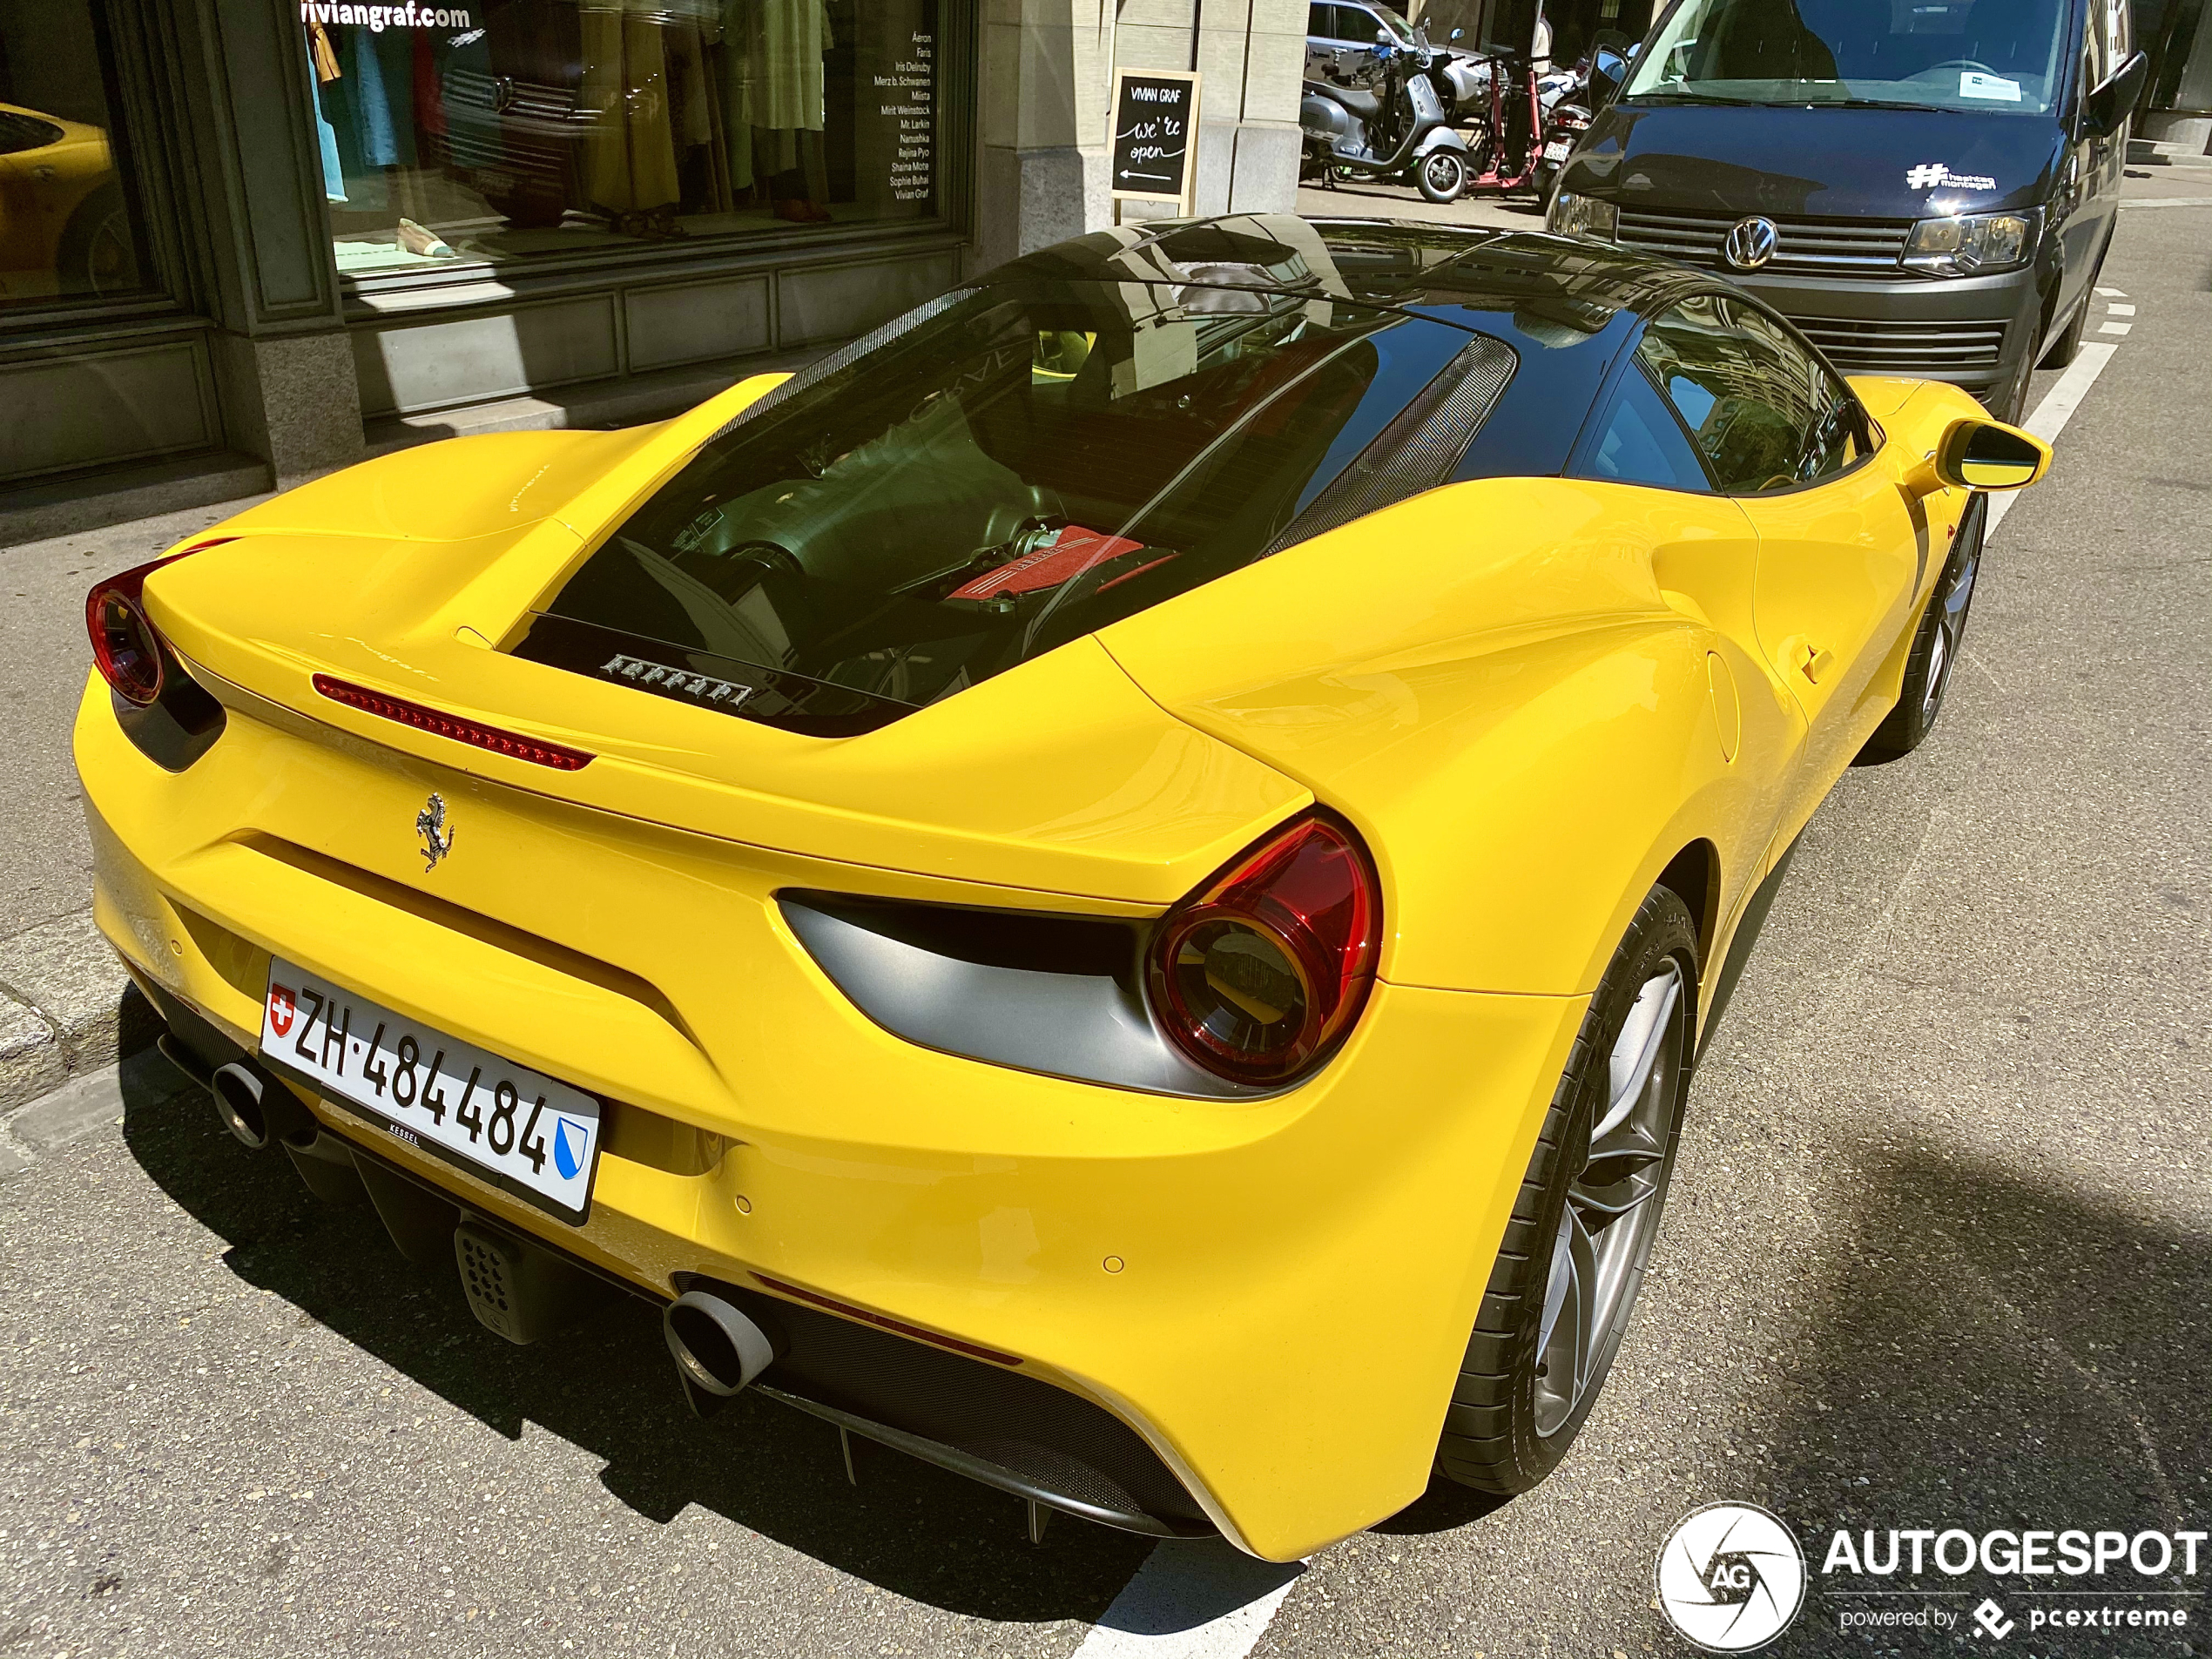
1518, 721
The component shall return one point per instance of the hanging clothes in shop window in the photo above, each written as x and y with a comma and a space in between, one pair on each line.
630, 151
322, 68
773, 54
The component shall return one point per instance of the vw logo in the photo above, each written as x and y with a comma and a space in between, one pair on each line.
1751, 243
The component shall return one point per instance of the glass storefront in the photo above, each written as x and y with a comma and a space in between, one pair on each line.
495, 130
66, 226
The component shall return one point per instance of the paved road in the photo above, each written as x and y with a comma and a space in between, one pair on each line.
1939, 1253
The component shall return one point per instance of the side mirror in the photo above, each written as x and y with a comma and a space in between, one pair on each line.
1609, 69
1456, 34
2106, 108
1382, 37
1976, 454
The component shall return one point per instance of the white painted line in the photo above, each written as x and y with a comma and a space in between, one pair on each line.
2167, 201
2053, 411
1195, 1599
2117, 328
2112, 294
2122, 311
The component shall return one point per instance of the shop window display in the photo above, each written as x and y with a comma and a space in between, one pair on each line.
516, 128
67, 230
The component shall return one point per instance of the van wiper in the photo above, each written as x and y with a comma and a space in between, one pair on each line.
1676, 95
1874, 104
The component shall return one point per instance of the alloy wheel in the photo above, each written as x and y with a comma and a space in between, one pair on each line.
1951, 600
1605, 1227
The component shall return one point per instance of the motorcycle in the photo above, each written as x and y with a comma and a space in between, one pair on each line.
1572, 107
1461, 78
1398, 131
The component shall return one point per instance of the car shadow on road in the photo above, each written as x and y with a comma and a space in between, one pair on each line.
607, 1387
1996, 1350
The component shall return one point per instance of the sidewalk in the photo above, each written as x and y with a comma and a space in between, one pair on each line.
66, 1008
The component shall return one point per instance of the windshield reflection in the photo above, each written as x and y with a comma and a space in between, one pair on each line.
1990, 55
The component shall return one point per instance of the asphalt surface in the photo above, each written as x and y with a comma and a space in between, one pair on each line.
1939, 1253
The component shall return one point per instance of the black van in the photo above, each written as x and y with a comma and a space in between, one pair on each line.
1925, 187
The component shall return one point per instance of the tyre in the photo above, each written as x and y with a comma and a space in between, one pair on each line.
2068, 346
1935, 645
1574, 1253
1441, 175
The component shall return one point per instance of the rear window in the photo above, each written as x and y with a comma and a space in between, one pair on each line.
1014, 467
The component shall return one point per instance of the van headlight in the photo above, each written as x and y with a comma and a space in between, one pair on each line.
1971, 244
1574, 215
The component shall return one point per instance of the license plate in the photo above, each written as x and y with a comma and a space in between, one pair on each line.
1557, 149
533, 1136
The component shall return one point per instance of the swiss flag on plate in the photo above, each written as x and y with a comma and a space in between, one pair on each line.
281, 1009
1069, 553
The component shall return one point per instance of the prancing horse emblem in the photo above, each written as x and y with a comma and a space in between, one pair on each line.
437, 839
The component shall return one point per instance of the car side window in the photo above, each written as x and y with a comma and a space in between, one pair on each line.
1640, 442
1321, 20
1763, 411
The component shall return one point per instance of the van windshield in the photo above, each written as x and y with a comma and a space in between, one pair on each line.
1986, 54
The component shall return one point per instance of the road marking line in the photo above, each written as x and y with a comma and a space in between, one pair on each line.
2117, 328
2112, 294
2122, 311
2051, 414
1192, 1598
2167, 201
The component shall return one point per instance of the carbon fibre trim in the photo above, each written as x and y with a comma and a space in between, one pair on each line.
1417, 450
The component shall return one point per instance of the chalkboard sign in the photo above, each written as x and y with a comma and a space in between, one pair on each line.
1154, 136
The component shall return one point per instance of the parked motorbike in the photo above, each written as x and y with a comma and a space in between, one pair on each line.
1461, 78
1571, 107
1398, 131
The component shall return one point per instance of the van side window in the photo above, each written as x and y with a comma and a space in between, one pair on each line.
1765, 414
1640, 442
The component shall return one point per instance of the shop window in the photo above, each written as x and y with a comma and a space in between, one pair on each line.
67, 230
496, 130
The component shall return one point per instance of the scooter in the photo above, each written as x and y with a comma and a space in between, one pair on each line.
1571, 109
1397, 131
1461, 78
1507, 138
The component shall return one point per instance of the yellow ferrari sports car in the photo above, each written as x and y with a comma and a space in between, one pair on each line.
1116, 886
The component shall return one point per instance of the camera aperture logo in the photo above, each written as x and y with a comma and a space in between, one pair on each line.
1731, 1577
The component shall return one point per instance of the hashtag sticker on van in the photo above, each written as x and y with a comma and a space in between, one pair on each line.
1929, 174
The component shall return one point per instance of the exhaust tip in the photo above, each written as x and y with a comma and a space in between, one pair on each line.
717, 1349
237, 1102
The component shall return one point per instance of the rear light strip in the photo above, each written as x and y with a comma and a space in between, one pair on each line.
511, 744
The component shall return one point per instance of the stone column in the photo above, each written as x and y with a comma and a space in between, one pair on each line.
1048, 72
285, 361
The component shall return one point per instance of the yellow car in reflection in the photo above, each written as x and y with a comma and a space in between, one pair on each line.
1133, 921
64, 228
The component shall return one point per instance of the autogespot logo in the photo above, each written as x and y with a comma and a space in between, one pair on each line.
1731, 1577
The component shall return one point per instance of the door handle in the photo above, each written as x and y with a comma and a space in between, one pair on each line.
1809, 659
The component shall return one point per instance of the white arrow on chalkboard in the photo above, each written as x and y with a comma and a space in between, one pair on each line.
1149, 178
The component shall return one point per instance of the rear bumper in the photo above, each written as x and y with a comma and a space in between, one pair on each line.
1272, 1296
1970, 331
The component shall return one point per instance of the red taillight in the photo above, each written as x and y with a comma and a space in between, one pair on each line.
128, 648
1262, 973
423, 718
